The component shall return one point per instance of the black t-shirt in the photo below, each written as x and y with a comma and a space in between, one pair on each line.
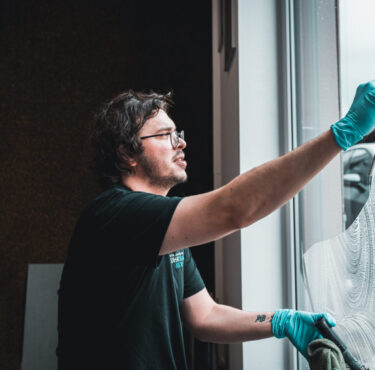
119, 302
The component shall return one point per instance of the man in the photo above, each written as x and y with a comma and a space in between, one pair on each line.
129, 280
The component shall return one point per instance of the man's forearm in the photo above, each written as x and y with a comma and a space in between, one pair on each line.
226, 324
258, 192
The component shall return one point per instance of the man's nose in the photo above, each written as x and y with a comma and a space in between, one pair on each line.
181, 144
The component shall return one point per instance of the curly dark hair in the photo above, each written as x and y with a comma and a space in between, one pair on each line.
115, 132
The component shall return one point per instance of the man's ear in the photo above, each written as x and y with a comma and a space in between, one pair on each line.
131, 161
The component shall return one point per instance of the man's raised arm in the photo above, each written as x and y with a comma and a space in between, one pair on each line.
255, 194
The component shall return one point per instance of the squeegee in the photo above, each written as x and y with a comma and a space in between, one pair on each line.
330, 334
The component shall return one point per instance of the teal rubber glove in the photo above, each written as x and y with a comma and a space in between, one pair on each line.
360, 120
298, 326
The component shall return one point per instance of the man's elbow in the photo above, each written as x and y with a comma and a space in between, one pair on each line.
238, 217
229, 215
200, 327
236, 213
200, 334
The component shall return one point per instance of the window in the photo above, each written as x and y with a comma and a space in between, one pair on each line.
334, 52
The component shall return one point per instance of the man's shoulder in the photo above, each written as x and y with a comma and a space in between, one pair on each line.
116, 194
119, 197
113, 190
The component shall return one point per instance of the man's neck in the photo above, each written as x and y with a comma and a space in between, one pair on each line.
137, 184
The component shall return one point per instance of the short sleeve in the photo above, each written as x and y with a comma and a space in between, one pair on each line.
193, 282
132, 225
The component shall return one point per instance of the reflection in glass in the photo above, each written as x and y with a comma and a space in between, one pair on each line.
357, 163
340, 279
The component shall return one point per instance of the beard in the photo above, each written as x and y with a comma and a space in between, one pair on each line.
153, 170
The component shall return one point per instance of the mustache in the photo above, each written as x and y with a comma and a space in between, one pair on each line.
178, 154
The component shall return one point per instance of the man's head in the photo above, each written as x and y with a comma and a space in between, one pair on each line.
126, 147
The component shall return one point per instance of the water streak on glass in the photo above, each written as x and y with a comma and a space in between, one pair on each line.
340, 279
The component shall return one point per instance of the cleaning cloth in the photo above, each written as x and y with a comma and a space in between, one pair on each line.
323, 354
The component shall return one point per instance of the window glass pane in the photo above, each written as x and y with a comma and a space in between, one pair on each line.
318, 208
317, 107
334, 53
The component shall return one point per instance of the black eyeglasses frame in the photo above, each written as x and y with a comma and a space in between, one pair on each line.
180, 135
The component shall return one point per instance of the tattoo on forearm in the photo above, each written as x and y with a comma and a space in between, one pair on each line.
260, 318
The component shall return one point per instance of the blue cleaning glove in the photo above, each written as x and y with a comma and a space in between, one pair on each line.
360, 120
298, 326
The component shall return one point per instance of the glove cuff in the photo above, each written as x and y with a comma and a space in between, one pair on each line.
346, 133
279, 321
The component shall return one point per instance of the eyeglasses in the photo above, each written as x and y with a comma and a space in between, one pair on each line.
175, 137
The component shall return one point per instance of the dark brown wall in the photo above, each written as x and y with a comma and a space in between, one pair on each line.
58, 62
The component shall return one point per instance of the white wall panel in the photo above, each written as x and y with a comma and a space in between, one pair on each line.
247, 118
259, 121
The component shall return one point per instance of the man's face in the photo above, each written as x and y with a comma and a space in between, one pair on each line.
162, 165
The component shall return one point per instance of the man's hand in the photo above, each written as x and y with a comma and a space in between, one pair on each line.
298, 326
360, 120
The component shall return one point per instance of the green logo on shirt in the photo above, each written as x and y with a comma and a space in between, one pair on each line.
177, 258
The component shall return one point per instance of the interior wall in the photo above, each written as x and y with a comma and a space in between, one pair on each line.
58, 62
